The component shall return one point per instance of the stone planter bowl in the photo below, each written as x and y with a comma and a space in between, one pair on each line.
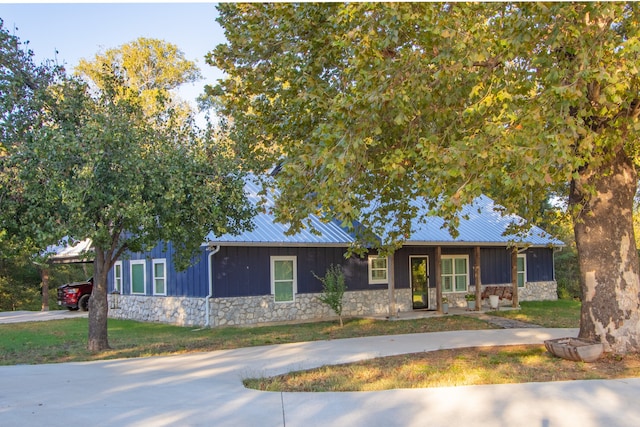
576, 349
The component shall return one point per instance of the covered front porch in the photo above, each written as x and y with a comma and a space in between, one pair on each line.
451, 275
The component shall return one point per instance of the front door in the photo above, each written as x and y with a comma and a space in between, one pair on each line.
419, 267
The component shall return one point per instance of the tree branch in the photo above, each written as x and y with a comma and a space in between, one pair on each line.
491, 63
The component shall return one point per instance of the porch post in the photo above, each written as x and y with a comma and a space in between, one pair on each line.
438, 274
514, 276
477, 277
392, 287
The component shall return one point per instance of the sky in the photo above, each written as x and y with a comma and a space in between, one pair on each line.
80, 30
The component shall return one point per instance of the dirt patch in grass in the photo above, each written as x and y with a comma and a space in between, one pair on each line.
457, 367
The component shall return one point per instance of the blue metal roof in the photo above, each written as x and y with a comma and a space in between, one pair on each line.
267, 232
481, 223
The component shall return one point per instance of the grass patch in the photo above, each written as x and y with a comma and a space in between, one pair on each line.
65, 340
549, 314
446, 368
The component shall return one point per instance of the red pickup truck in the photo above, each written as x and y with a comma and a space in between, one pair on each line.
75, 295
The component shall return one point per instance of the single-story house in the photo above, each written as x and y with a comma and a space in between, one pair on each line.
265, 275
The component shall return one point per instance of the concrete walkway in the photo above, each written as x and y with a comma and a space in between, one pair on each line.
205, 389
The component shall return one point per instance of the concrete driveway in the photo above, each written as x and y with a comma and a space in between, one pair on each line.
205, 389
39, 316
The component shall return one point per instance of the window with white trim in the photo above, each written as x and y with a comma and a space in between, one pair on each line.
117, 276
284, 284
160, 276
138, 275
378, 270
522, 270
454, 273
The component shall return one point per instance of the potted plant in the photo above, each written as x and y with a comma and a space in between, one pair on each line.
494, 302
445, 305
471, 301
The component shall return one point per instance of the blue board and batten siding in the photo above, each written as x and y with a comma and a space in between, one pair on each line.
540, 265
192, 282
246, 270
495, 265
240, 271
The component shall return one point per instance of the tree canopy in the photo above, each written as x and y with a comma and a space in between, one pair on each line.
151, 67
144, 64
106, 161
22, 95
397, 92
369, 106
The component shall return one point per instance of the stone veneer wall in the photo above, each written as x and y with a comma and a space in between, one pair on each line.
306, 307
538, 291
240, 311
179, 311
250, 310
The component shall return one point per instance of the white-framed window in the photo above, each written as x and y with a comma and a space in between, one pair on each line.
454, 273
378, 270
160, 276
284, 281
138, 275
522, 270
117, 276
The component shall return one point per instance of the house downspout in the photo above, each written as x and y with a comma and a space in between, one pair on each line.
393, 311
207, 310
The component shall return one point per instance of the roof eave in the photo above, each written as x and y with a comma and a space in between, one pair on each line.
348, 244
278, 244
491, 244
70, 260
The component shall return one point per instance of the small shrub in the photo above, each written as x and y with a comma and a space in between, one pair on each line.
333, 288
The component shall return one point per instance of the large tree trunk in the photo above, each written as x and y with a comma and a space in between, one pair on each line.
609, 270
98, 307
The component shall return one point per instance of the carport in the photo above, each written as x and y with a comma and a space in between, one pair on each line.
80, 252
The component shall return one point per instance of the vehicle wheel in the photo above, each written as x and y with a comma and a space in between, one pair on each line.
72, 308
83, 303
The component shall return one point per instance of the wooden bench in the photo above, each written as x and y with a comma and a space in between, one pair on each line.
503, 292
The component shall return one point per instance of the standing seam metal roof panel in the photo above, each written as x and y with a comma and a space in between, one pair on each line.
267, 231
480, 222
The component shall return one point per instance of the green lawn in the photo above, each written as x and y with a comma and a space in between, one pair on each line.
66, 340
550, 314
